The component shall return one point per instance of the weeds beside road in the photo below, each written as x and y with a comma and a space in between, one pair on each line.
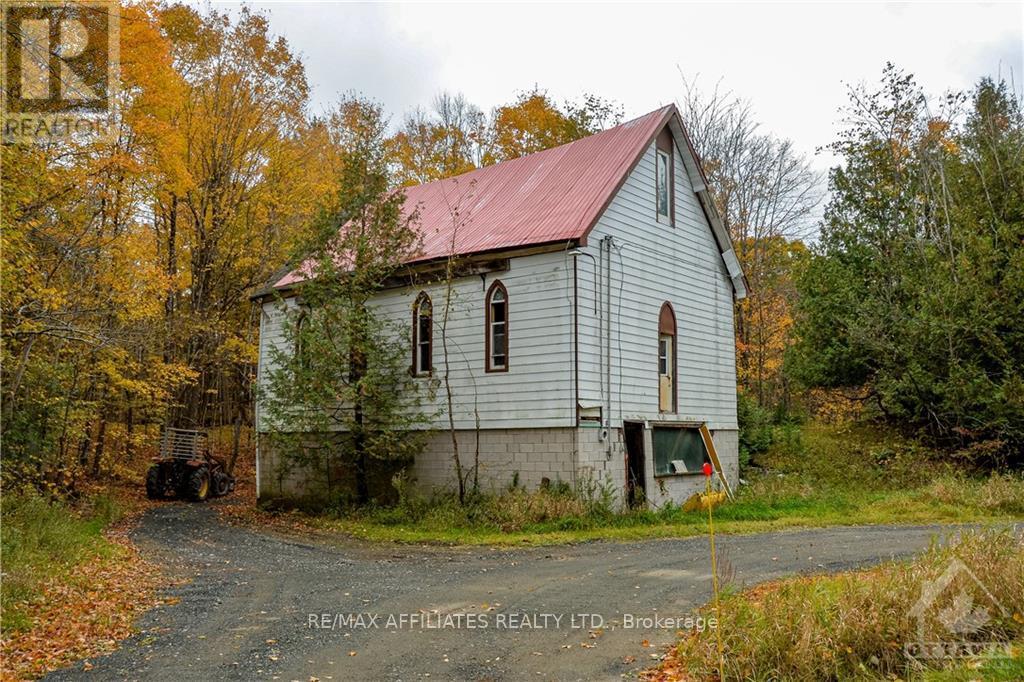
821, 475
858, 625
72, 581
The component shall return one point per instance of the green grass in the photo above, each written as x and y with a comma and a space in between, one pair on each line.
856, 625
819, 475
43, 539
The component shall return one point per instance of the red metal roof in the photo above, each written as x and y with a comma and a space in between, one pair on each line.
550, 196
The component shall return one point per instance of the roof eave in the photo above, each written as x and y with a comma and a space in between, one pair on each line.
515, 251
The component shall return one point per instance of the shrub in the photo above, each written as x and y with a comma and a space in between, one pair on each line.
556, 506
755, 424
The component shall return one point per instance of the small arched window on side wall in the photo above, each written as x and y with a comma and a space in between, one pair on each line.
422, 335
667, 358
301, 342
496, 329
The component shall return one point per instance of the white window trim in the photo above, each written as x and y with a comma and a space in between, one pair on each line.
666, 358
497, 288
419, 342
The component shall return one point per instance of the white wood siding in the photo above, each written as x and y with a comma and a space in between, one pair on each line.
272, 335
537, 389
653, 262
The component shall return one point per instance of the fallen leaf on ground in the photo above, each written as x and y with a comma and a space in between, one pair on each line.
86, 611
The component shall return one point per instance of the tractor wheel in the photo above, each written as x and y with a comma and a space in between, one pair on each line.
221, 483
154, 483
199, 484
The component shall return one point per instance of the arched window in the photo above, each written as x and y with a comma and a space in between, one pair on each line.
423, 335
496, 329
301, 331
667, 359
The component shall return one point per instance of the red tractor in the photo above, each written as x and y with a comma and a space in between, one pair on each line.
186, 469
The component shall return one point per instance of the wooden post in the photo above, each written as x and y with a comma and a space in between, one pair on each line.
709, 445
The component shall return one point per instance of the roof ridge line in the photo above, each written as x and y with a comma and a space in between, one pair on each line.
543, 151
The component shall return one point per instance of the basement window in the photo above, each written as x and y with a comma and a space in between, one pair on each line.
678, 450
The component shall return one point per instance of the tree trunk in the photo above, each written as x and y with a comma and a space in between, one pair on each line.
357, 371
85, 445
172, 272
19, 374
101, 435
129, 445
236, 438
476, 452
447, 381
62, 442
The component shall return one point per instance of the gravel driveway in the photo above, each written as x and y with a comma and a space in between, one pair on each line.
248, 608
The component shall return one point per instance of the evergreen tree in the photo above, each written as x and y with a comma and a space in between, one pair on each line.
340, 389
916, 290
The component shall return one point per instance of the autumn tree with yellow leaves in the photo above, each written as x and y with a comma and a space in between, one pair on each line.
455, 136
127, 265
80, 282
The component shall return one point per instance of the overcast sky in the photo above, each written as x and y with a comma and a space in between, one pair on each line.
790, 60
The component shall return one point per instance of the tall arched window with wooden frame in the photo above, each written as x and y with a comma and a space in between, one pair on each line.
496, 329
422, 335
667, 400
301, 342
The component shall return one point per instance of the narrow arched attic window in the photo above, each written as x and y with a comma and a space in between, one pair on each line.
423, 335
496, 329
666, 358
664, 180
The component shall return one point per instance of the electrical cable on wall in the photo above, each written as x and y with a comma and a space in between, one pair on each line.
618, 329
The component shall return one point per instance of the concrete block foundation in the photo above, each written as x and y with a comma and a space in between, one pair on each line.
528, 457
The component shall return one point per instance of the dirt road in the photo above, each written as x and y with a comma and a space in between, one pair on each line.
264, 606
